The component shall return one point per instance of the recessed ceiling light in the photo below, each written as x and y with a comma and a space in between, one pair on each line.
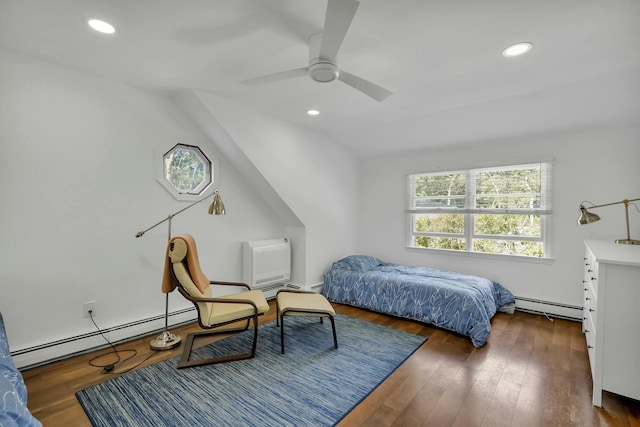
101, 26
313, 112
517, 49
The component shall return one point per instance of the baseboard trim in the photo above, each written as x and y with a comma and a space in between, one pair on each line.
547, 315
549, 308
270, 291
317, 288
54, 351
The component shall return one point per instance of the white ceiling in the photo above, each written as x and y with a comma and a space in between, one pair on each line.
442, 59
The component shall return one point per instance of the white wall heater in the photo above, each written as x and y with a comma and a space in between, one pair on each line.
266, 264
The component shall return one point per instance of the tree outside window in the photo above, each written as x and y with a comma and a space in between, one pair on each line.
186, 169
499, 210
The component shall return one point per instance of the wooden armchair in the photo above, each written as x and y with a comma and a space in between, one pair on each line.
213, 312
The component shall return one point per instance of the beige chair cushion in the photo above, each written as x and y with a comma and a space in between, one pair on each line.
212, 313
292, 301
180, 270
220, 312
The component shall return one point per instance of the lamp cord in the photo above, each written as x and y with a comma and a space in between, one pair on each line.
109, 367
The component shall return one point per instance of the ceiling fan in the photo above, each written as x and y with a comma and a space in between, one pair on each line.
323, 51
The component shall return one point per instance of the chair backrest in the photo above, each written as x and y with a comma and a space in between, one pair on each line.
186, 285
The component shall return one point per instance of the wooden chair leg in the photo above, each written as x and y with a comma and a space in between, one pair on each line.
188, 346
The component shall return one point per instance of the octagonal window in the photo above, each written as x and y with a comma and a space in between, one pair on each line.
187, 170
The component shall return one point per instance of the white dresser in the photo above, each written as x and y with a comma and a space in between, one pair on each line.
611, 320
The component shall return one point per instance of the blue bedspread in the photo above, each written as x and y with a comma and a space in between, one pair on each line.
13, 392
449, 300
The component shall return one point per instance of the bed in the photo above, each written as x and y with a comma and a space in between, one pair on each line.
457, 302
13, 392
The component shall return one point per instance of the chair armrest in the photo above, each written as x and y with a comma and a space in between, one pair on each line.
217, 282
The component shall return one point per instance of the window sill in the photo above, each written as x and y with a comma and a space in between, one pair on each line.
479, 255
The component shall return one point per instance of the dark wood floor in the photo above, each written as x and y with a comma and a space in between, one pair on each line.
532, 372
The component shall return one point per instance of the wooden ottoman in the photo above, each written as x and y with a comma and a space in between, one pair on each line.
301, 303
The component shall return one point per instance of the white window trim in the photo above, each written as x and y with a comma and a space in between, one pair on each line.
544, 211
189, 197
497, 257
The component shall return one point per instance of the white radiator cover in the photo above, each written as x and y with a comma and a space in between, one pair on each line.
266, 263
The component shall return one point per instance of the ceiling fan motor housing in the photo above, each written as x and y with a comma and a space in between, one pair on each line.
323, 72
323, 54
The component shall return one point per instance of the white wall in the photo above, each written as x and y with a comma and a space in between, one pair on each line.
317, 178
78, 180
600, 166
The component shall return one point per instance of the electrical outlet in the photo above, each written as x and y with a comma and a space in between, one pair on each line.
89, 307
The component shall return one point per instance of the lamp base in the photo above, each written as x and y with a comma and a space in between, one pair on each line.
628, 241
166, 341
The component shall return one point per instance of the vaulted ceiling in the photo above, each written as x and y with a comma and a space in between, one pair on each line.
441, 59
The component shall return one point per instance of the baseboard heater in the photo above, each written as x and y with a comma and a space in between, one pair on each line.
55, 350
272, 287
314, 288
549, 308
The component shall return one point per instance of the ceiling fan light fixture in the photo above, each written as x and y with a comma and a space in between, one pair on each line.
323, 72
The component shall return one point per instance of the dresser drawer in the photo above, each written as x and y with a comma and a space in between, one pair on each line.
591, 274
590, 336
590, 307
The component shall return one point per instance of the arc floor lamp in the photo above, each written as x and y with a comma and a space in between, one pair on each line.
587, 217
169, 340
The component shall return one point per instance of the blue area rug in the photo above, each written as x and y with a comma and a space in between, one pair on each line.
312, 384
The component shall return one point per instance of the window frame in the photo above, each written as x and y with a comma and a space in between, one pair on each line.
211, 172
470, 210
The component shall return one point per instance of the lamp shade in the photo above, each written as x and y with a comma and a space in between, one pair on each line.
217, 207
587, 217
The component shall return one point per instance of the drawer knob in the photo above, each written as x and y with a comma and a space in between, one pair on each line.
591, 310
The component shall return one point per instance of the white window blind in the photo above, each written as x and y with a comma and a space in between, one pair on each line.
497, 210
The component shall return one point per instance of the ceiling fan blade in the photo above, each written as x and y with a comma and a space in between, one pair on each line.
290, 74
340, 13
370, 89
